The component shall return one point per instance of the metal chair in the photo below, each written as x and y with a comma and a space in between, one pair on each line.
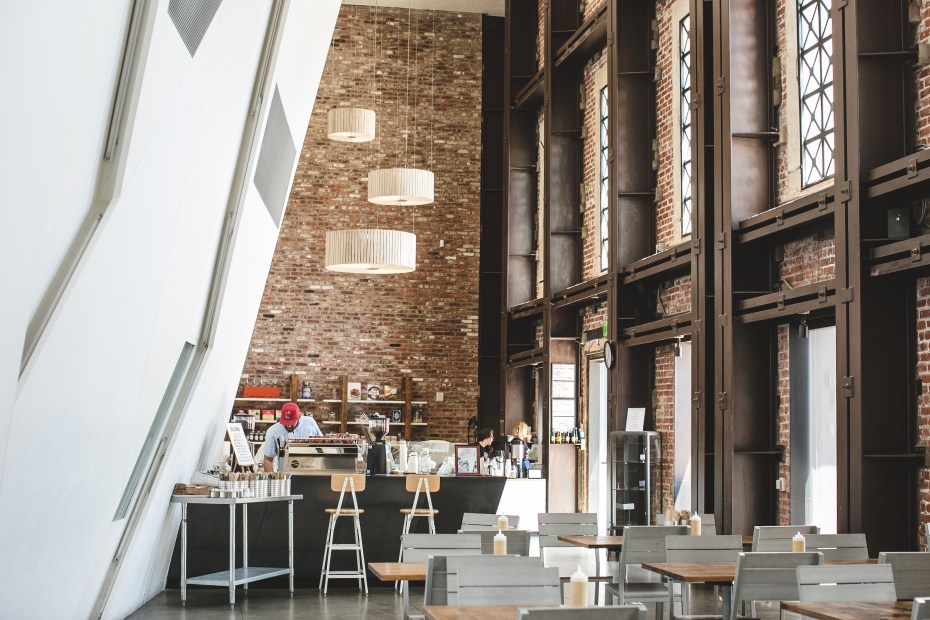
501, 580
838, 546
518, 541
641, 544
708, 524
768, 576
921, 609
872, 583
616, 612
429, 548
565, 556
778, 537
353, 483
478, 521
701, 550
911, 571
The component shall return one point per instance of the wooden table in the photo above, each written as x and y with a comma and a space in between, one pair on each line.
899, 610
611, 543
713, 573
398, 571
484, 612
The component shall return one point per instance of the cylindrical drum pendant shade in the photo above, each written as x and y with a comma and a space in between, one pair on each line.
400, 186
350, 125
371, 250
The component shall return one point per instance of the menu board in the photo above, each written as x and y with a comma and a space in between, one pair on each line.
563, 397
240, 444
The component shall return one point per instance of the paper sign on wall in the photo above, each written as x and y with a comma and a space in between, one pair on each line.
240, 444
635, 418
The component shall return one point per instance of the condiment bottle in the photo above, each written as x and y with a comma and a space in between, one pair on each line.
502, 522
695, 522
579, 589
798, 543
500, 543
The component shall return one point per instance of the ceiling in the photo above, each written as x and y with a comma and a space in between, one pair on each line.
491, 7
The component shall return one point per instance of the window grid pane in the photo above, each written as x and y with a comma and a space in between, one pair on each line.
604, 170
815, 89
684, 121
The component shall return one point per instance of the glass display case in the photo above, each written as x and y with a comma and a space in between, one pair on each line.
635, 459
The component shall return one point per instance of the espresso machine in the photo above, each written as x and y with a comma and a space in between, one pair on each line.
517, 456
377, 452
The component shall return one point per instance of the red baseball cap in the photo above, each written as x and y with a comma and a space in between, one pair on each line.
290, 414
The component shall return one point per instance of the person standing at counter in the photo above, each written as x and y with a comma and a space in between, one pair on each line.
485, 439
290, 425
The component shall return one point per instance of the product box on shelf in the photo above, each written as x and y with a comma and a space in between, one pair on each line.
260, 391
268, 414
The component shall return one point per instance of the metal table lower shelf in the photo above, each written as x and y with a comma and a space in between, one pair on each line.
245, 574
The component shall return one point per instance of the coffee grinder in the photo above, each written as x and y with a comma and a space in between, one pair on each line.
517, 454
377, 451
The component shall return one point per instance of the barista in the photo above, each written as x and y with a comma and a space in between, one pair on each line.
291, 425
485, 441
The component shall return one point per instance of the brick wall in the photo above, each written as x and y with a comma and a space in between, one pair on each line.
808, 260
376, 329
591, 177
667, 129
590, 7
665, 422
922, 82
783, 389
923, 405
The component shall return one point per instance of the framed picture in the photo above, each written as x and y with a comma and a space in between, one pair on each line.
395, 416
373, 392
466, 461
390, 392
355, 390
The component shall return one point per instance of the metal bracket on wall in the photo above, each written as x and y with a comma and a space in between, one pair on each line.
848, 385
844, 191
722, 401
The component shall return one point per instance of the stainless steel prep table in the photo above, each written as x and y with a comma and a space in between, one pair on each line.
236, 576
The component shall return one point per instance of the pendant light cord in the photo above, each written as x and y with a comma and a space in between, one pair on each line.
407, 88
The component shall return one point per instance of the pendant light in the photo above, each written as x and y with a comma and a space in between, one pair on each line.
403, 185
349, 124
371, 250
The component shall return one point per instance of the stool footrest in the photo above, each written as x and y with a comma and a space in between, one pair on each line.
344, 547
343, 574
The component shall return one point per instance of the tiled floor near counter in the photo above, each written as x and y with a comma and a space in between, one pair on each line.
341, 603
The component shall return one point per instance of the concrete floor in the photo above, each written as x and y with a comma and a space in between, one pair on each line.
340, 603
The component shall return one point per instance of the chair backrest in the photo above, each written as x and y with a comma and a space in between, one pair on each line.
873, 583
478, 521
555, 524
703, 549
337, 482
518, 541
646, 543
430, 483
436, 579
921, 609
501, 580
838, 546
769, 576
708, 525
911, 572
616, 612
418, 547
778, 537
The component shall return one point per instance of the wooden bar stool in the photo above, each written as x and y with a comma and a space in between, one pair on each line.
341, 483
417, 484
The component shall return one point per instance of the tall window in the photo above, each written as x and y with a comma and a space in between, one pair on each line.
684, 122
604, 171
815, 88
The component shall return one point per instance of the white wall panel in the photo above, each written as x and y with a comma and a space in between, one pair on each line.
141, 289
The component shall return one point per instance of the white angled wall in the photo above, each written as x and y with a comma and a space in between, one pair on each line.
72, 426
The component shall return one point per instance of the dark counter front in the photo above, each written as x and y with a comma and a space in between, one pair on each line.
384, 496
